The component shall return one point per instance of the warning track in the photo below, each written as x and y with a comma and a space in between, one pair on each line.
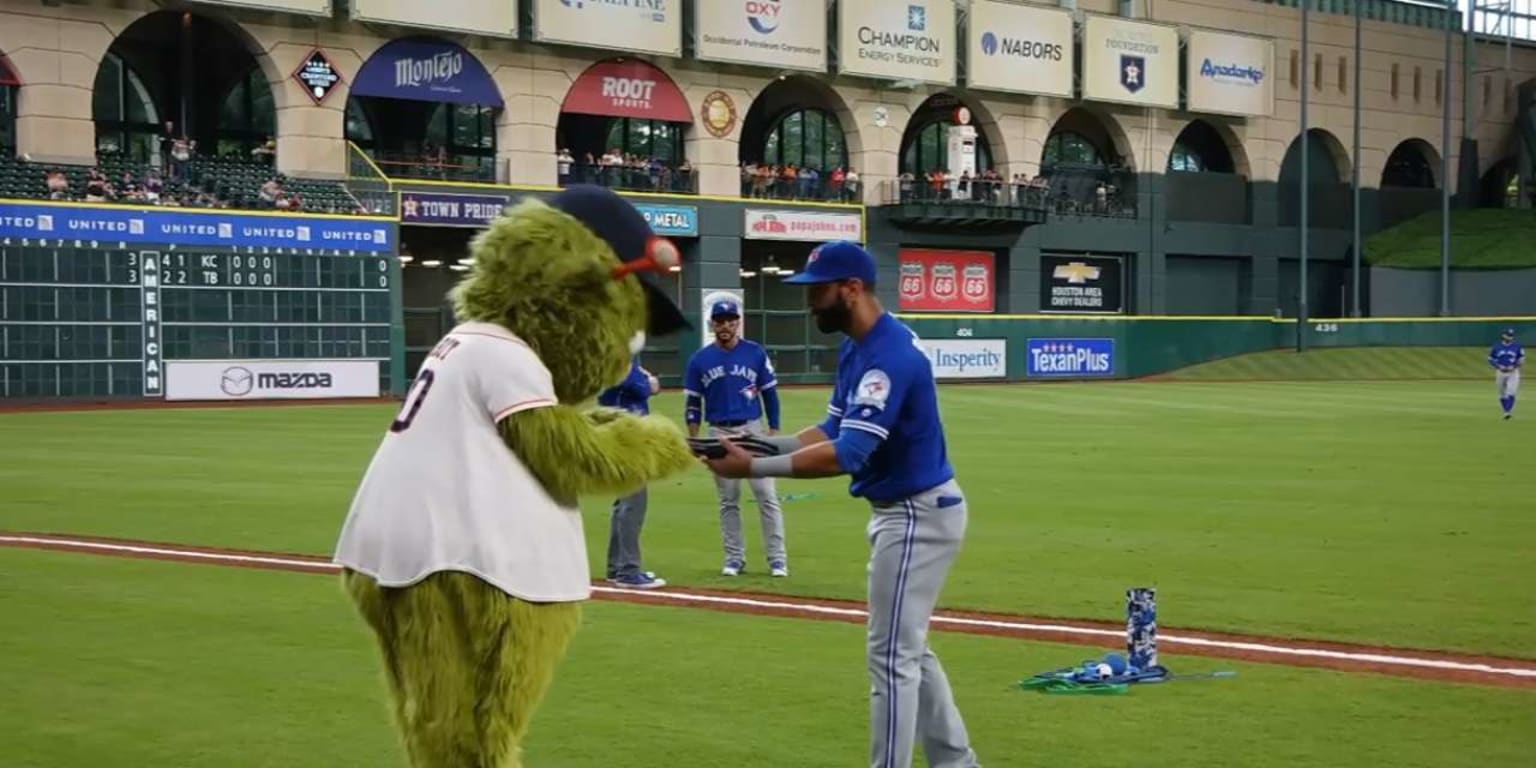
1430, 665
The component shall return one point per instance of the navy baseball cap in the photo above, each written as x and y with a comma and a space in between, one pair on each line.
724, 308
1509, 332
621, 226
838, 260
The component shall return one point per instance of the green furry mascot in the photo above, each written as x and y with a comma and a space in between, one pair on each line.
463, 550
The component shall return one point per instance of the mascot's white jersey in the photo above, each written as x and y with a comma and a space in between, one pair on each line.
444, 493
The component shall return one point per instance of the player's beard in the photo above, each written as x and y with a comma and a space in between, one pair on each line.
834, 318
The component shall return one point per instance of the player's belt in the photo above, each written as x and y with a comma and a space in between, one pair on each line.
736, 423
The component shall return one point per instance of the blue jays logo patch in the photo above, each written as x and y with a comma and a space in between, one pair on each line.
873, 390
1133, 72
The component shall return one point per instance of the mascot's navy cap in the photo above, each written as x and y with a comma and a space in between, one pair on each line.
619, 224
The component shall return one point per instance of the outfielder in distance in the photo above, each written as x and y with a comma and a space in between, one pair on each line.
883, 429
1507, 357
735, 380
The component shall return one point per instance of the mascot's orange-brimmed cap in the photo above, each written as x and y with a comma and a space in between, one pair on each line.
619, 224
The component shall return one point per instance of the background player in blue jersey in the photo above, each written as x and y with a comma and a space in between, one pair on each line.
1507, 357
883, 429
734, 379
633, 395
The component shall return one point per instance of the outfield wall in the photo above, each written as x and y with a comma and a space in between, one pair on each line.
1041, 348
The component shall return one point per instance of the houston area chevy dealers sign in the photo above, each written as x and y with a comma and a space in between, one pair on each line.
806, 227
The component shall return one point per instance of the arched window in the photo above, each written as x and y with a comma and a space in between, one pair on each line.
127, 122
808, 138
1200, 148
8, 119
646, 138
929, 150
1069, 148
1408, 166
248, 117
1185, 160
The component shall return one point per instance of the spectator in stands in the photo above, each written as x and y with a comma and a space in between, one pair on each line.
684, 176
266, 151
58, 185
181, 156
270, 190
97, 188
563, 163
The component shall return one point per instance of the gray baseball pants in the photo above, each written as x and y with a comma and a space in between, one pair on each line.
913, 542
624, 534
768, 508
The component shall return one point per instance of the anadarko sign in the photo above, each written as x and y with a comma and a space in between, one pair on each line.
1020, 48
895, 40
1230, 74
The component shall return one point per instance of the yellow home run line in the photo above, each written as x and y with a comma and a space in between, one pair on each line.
322, 566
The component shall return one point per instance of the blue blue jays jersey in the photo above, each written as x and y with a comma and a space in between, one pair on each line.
885, 387
1506, 355
633, 395
730, 381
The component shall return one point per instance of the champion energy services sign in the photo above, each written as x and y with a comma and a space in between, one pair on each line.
898, 39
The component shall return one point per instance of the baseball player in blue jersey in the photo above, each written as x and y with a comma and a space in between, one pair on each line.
633, 395
883, 429
1507, 357
734, 379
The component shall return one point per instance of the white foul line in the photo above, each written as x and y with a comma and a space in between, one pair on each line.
824, 610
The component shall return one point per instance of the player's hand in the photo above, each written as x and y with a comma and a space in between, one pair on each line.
734, 464
772, 432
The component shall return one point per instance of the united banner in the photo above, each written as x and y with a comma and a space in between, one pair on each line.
947, 281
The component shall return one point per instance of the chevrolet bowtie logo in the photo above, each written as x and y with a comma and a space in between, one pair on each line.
1076, 272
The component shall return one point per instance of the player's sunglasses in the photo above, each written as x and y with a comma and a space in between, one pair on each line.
661, 255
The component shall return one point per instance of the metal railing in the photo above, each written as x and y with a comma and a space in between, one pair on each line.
985, 193
404, 165
818, 189
367, 183
659, 179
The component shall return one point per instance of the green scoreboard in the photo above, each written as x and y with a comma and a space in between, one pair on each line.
207, 306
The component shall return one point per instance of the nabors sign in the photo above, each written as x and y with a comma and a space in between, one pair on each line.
270, 379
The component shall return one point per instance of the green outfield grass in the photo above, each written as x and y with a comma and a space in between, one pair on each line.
133, 663
1345, 365
1393, 513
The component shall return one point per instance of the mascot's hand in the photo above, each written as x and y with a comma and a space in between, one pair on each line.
573, 455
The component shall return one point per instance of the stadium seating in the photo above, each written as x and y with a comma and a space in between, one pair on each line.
210, 182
